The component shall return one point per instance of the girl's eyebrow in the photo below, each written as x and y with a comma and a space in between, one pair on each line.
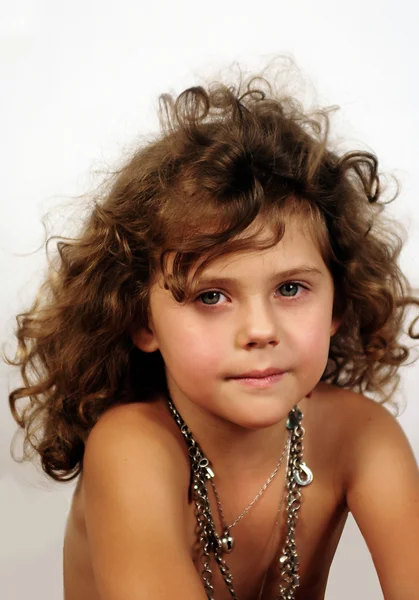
300, 270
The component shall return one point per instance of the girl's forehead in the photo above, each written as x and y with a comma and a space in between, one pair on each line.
297, 244
286, 241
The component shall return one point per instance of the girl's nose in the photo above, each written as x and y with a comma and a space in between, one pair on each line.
257, 326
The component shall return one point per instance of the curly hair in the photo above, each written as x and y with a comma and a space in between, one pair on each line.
225, 155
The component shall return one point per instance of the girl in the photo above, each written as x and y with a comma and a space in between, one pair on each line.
198, 356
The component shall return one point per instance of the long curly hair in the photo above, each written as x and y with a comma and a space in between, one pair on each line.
225, 155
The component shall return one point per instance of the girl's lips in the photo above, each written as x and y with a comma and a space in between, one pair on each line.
260, 382
255, 373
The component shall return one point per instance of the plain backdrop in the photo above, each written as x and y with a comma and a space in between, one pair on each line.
79, 85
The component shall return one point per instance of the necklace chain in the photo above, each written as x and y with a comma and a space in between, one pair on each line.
255, 499
278, 515
298, 475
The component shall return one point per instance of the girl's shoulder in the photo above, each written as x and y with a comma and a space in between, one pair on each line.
381, 483
344, 411
133, 488
140, 421
135, 436
150, 415
345, 430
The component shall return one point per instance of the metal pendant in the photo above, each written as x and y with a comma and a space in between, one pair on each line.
308, 475
227, 542
295, 417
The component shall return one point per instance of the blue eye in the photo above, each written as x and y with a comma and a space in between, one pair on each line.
289, 289
212, 296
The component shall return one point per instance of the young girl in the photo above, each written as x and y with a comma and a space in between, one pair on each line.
198, 356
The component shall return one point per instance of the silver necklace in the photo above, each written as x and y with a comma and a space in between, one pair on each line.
227, 541
298, 475
278, 514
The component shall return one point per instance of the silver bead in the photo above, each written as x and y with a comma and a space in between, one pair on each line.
227, 543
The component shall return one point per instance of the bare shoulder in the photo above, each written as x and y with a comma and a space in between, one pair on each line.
335, 415
350, 427
133, 439
360, 423
349, 413
136, 428
135, 479
382, 487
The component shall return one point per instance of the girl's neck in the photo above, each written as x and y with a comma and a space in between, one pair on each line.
234, 451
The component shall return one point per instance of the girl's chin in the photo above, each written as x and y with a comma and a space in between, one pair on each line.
258, 417
247, 409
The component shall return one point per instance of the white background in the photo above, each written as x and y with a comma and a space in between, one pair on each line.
79, 83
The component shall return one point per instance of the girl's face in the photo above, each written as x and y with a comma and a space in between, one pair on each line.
253, 311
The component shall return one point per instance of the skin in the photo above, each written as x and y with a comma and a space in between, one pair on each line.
259, 319
258, 540
357, 451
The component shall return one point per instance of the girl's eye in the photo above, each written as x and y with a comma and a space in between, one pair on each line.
289, 289
210, 298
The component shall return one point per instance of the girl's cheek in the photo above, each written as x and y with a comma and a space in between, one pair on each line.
194, 344
313, 339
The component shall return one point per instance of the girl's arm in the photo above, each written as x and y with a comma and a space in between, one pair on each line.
134, 507
383, 496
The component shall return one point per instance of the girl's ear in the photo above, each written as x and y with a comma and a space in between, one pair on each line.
334, 326
145, 339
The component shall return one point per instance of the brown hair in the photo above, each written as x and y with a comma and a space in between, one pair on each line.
225, 156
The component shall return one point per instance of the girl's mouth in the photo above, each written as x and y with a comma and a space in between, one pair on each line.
260, 381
